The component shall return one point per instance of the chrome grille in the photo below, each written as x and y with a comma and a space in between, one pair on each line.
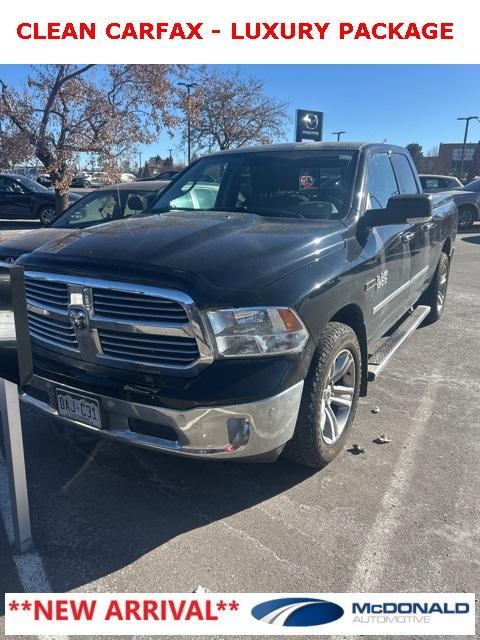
156, 350
116, 323
47, 293
52, 330
137, 307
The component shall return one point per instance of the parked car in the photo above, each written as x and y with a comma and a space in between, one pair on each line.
468, 204
97, 179
80, 178
24, 198
250, 327
474, 185
164, 175
436, 184
45, 180
466, 198
99, 206
127, 177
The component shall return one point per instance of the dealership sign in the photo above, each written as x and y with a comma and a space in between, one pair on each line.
308, 125
267, 614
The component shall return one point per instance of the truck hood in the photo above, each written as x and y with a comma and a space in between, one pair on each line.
28, 241
206, 254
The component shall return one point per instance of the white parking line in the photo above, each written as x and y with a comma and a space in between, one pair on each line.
370, 568
30, 569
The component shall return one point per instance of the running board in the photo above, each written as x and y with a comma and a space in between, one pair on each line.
378, 360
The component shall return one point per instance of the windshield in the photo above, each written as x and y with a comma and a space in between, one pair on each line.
33, 185
297, 183
474, 185
103, 206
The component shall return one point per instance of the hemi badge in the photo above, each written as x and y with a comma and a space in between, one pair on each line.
76, 298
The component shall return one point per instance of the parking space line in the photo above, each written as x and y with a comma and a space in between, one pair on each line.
30, 569
375, 555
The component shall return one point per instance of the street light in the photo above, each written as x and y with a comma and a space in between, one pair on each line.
338, 134
467, 124
188, 86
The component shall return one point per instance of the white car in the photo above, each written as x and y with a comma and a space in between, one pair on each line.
97, 179
127, 177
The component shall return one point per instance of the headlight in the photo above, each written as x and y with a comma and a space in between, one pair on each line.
257, 331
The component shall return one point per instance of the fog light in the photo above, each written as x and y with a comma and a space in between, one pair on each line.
238, 431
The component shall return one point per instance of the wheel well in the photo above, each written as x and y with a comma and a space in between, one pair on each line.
352, 316
447, 247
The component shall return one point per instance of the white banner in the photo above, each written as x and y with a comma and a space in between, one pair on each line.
268, 31
257, 614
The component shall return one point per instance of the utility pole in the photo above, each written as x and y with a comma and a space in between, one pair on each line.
188, 86
139, 162
467, 124
338, 134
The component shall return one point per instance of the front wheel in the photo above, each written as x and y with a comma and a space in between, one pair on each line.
86, 184
48, 215
437, 291
330, 398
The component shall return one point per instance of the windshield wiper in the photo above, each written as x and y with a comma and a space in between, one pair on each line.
273, 213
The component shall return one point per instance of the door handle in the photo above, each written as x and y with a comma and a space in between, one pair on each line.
406, 237
427, 226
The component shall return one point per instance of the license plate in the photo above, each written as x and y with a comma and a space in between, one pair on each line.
78, 408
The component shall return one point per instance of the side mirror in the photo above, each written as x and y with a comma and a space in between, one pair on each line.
415, 208
135, 203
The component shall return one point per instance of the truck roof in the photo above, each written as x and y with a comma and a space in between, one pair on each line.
323, 146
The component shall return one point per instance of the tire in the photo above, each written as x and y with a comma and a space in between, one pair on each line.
314, 442
47, 215
437, 291
86, 184
466, 217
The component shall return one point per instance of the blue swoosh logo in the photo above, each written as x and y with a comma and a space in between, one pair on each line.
297, 612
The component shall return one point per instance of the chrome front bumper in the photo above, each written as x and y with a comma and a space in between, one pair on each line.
224, 432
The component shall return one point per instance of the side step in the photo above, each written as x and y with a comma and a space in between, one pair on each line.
378, 360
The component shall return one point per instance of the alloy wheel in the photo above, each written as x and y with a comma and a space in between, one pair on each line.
466, 218
48, 215
442, 286
337, 396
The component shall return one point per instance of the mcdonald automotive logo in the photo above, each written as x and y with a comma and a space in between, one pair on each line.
297, 612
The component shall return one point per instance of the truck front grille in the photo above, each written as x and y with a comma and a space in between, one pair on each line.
137, 307
115, 323
47, 293
157, 350
54, 331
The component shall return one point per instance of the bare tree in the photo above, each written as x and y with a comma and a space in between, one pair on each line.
14, 149
63, 110
231, 110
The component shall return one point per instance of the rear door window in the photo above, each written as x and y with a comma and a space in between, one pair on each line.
404, 172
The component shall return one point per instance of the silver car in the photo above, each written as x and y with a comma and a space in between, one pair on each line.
467, 198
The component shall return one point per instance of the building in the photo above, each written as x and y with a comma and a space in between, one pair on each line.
449, 160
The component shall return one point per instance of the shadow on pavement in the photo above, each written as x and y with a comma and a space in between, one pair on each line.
472, 239
99, 506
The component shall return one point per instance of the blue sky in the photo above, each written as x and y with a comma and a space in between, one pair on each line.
400, 103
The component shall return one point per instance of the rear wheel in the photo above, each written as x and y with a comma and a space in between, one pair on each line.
330, 398
48, 215
87, 184
466, 217
437, 291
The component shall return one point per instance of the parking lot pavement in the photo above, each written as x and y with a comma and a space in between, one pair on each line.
402, 516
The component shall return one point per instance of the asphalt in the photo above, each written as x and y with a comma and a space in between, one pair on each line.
402, 516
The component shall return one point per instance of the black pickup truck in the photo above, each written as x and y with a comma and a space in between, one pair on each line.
249, 315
